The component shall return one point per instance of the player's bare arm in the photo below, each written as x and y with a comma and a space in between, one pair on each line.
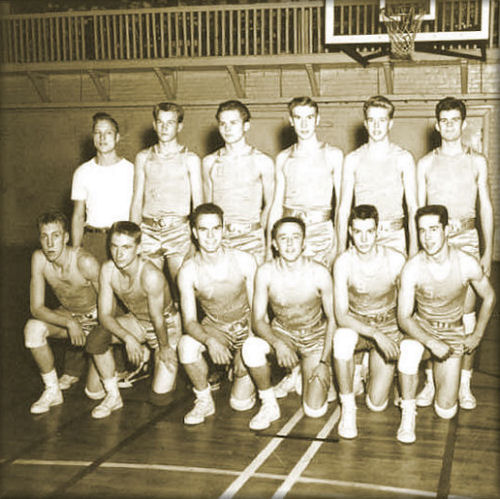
422, 167
138, 193
206, 172
89, 267
106, 306
346, 195
38, 308
336, 159
406, 304
77, 223
285, 356
194, 172
276, 209
485, 212
410, 193
482, 286
217, 350
267, 177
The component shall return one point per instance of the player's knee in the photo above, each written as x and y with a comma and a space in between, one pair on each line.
344, 343
445, 413
189, 349
373, 407
35, 333
164, 377
98, 341
314, 413
254, 351
411, 352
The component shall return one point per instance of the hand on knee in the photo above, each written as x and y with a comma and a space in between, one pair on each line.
254, 352
411, 352
344, 343
35, 333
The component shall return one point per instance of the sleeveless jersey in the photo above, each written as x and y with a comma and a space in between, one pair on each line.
379, 182
308, 179
371, 292
73, 290
452, 182
222, 292
441, 299
167, 190
134, 297
237, 187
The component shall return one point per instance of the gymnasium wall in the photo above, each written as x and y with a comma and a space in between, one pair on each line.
41, 144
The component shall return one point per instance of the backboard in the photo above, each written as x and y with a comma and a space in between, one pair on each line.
360, 21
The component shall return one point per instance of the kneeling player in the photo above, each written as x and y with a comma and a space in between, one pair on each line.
434, 282
222, 280
365, 278
300, 293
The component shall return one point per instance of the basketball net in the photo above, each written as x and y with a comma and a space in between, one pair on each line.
402, 28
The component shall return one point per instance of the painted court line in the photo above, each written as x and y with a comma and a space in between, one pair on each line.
219, 471
261, 457
308, 455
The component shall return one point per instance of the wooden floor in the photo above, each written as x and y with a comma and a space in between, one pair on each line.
144, 450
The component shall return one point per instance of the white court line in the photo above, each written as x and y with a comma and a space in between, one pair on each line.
261, 457
306, 458
218, 471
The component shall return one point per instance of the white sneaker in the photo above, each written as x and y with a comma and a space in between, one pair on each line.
107, 406
268, 412
50, 396
288, 384
67, 381
406, 430
127, 379
426, 395
203, 407
347, 425
465, 398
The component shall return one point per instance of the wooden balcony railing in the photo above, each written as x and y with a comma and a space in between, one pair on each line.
225, 30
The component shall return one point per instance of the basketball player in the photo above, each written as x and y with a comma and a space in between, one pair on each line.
239, 179
222, 280
434, 283
455, 176
382, 174
365, 280
167, 182
72, 273
152, 317
300, 294
308, 174
101, 193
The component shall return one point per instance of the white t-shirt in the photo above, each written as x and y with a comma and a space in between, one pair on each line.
106, 190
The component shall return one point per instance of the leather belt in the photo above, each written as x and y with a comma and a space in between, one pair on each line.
308, 216
98, 230
238, 226
166, 221
442, 324
395, 224
461, 224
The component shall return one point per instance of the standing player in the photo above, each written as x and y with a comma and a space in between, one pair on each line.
454, 176
239, 179
307, 175
72, 273
222, 281
101, 193
382, 174
167, 182
300, 294
430, 310
365, 279
152, 317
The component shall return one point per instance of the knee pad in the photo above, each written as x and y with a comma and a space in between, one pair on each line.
242, 405
189, 349
445, 413
98, 341
344, 343
254, 351
35, 333
373, 407
315, 413
164, 377
410, 356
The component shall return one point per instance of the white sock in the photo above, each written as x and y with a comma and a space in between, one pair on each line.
348, 399
267, 395
50, 379
429, 376
469, 322
409, 404
202, 394
465, 377
358, 370
111, 386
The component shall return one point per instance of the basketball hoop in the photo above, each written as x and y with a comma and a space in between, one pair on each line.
402, 28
